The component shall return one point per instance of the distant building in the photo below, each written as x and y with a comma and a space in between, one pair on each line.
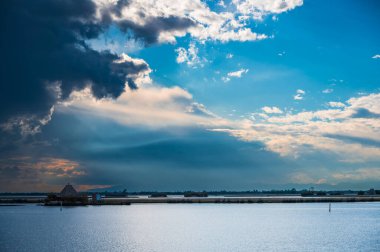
96, 198
371, 191
68, 196
68, 192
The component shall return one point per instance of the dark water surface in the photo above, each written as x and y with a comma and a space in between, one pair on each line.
192, 227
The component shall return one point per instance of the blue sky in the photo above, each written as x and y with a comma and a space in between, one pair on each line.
320, 48
235, 95
312, 48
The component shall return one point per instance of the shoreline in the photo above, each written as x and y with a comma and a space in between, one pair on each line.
240, 200
215, 200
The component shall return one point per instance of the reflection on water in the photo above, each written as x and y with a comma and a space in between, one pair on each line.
192, 227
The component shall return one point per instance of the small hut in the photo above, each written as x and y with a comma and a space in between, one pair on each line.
68, 196
68, 192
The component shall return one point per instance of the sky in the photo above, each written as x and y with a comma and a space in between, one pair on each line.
163, 95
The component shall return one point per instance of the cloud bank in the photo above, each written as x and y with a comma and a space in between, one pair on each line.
351, 132
45, 58
46, 55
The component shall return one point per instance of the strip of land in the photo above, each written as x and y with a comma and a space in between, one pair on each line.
210, 199
240, 200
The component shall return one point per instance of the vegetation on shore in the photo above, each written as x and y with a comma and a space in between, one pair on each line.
273, 192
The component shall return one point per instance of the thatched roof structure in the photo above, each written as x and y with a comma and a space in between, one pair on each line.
69, 191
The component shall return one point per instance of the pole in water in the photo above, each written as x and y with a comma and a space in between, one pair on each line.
329, 207
61, 207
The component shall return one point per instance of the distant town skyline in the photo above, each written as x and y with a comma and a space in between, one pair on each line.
189, 95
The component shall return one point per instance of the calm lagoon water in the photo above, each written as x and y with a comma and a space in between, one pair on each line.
192, 227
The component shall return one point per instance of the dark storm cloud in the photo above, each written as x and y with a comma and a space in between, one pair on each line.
43, 47
138, 158
143, 159
9, 172
151, 30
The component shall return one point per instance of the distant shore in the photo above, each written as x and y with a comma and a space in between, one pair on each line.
235, 200
210, 199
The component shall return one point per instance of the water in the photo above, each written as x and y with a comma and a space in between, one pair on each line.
192, 227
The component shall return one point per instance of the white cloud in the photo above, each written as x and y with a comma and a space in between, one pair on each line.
299, 94
229, 56
222, 4
337, 104
27, 124
223, 26
237, 74
331, 130
377, 56
304, 178
150, 106
190, 56
182, 56
271, 110
358, 174
225, 79
371, 102
325, 176
140, 78
334, 131
258, 116
257, 9
328, 91
300, 91
288, 134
